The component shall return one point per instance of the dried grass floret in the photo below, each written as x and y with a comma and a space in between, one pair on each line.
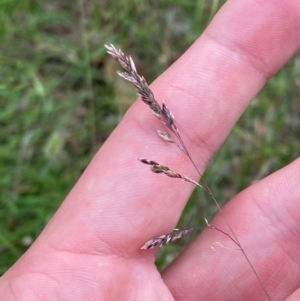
158, 168
165, 136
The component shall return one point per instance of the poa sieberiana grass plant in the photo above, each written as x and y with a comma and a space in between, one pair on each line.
171, 135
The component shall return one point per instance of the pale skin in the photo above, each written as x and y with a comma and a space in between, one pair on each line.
90, 250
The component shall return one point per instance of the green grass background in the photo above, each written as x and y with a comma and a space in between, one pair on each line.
60, 99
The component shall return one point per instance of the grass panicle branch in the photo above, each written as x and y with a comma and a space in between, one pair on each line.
217, 229
165, 115
142, 88
158, 168
139, 82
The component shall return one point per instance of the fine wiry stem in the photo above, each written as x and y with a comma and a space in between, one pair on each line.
166, 116
223, 232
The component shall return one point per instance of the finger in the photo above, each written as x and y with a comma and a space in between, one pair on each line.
295, 296
265, 218
117, 204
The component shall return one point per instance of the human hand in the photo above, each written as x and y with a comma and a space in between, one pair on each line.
90, 250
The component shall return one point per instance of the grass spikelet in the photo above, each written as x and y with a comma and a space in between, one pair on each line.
166, 238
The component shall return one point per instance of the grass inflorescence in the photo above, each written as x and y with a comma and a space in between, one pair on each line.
164, 114
52, 63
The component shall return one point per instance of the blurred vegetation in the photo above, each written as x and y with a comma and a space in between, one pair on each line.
60, 99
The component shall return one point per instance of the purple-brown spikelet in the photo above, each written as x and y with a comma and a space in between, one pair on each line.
158, 168
166, 238
139, 82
